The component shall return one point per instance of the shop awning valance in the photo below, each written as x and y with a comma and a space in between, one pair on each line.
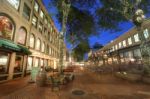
7, 44
24, 50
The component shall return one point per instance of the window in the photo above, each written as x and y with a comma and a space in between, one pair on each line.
34, 20
26, 12
146, 33
43, 47
36, 62
22, 35
18, 63
136, 38
116, 47
45, 63
38, 44
32, 41
36, 7
30, 63
129, 41
113, 48
4, 59
6, 28
40, 27
41, 62
120, 45
124, 43
14, 3
41, 14
137, 53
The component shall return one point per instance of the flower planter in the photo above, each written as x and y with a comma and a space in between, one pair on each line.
133, 77
128, 76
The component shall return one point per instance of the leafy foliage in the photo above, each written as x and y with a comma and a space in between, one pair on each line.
97, 46
80, 50
87, 16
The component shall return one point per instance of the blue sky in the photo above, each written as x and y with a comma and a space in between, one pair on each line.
103, 38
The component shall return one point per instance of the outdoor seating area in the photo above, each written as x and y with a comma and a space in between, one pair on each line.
57, 80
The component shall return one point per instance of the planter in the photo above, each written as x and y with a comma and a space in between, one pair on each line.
133, 77
120, 75
41, 78
129, 76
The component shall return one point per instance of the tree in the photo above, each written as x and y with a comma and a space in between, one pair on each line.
97, 46
109, 14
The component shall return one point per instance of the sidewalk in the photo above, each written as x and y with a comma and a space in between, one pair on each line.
87, 85
13, 85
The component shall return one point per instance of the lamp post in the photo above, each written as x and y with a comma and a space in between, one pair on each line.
65, 8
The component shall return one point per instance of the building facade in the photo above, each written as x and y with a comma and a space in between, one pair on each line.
126, 48
26, 25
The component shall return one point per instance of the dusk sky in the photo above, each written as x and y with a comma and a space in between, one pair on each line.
104, 37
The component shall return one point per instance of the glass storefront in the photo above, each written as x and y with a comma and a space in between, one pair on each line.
36, 62
4, 59
30, 63
41, 63
18, 63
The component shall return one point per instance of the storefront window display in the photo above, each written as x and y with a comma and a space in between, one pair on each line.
30, 63
4, 59
6, 27
36, 62
18, 63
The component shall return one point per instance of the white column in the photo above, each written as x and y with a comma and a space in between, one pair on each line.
11, 66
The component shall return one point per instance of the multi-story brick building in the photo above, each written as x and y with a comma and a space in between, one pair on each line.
25, 26
126, 48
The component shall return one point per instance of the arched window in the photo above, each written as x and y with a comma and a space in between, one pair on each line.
22, 35
14, 3
38, 44
43, 47
32, 41
6, 27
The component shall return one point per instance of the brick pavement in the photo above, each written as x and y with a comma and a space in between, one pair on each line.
94, 86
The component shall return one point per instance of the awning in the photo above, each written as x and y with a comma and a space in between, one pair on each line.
24, 50
7, 44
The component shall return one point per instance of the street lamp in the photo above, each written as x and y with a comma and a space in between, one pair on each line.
65, 7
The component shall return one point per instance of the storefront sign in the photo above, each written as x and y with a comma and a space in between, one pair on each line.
34, 73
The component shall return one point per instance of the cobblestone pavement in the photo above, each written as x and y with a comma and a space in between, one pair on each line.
92, 86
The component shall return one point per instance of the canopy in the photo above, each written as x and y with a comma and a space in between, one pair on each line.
24, 50
4, 43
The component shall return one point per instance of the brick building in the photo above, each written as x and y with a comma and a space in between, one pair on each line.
126, 48
25, 26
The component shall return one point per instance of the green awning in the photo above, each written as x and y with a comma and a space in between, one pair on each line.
4, 43
25, 50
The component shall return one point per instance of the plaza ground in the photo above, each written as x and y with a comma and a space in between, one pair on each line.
91, 85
